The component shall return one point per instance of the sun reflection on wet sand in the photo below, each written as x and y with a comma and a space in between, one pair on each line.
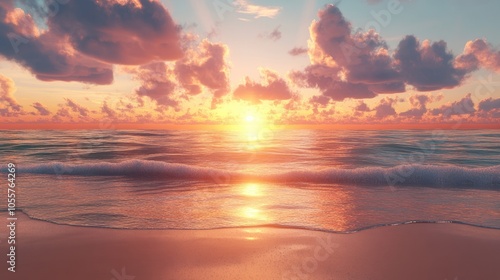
252, 212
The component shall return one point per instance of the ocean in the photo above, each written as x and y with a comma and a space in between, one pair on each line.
331, 180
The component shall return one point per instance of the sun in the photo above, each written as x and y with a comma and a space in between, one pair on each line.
250, 118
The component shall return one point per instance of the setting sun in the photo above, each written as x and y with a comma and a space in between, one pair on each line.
249, 118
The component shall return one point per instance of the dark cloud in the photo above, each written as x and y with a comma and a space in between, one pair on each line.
427, 66
385, 108
110, 113
362, 107
489, 104
84, 38
464, 106
205, 66
157, 83
42, 110
62, 114
321, 77
419, 106
347, 64
119, 32
297, 51
82, 111
47, 55
272, 88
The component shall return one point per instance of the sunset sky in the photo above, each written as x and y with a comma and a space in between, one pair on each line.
219, 62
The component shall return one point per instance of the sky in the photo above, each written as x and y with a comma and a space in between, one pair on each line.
223, 62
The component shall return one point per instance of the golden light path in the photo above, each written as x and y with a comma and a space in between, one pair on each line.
252, 192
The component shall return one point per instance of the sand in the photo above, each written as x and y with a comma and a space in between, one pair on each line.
415, 251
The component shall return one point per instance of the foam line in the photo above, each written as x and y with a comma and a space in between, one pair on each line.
401, 175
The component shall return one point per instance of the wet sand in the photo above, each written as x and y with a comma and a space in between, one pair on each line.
415, 251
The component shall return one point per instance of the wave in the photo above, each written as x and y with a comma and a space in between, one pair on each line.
401, 175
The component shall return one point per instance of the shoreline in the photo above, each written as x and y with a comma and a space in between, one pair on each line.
271, 226
412, 251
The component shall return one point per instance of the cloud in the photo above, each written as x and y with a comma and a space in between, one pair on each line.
42, 110
479, 53
9, 107
85, 38
61, 115
157, 83
361, 107
427, 66
326, 79
275, 35
106, 110
297, 51
464, 106
419, 104
47, 55
119, 32
82, 111
257, 11
272, 88
206, 66
385, 108
71, 111
347, 64
489, 104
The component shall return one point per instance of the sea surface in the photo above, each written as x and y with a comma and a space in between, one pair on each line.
333, 180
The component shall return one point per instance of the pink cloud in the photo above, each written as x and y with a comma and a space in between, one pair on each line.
347, 64
479, 53
9, 106
157, 83
48, 55
86, 37
119, 32
205, 66
272, 88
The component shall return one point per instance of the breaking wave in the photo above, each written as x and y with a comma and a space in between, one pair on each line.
401, 175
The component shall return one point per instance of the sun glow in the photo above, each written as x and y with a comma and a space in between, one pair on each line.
251, 190
249, 118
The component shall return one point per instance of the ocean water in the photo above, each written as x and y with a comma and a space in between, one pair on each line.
334, 180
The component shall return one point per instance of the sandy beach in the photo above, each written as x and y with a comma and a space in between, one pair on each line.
416, 251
